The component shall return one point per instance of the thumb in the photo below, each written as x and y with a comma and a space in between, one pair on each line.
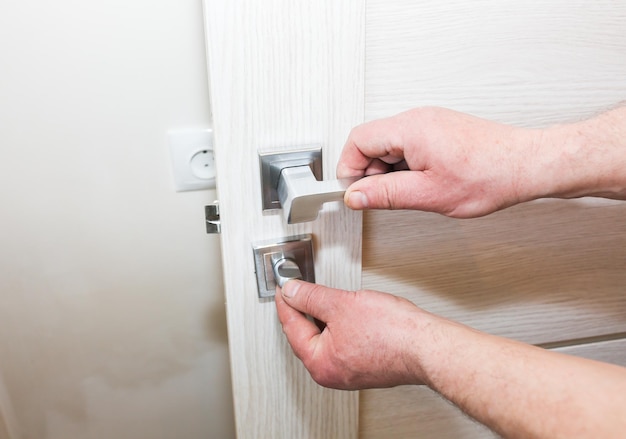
315, 300
394, 190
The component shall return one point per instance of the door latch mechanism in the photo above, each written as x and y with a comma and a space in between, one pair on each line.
212, 218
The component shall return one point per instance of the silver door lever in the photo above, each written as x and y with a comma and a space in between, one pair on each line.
292, 180
302, 195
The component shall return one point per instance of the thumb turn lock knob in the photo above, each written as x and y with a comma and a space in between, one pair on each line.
277, 261
285, 269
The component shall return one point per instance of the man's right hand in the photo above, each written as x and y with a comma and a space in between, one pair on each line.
464, 166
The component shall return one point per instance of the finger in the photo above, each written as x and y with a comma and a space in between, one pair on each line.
301, 333
396, 190
377, 166
379, 139
318, 301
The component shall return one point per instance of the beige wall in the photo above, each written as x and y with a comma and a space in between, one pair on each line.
111, 302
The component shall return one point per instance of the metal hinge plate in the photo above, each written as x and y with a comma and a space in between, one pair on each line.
212, 218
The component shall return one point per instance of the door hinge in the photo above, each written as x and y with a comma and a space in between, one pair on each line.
212, 218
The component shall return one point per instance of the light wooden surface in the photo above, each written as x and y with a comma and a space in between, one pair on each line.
550, 271
541, 272
288, 73
283, 73
530, 271
530, 63
418, 412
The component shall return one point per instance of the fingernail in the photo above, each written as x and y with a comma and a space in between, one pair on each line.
357, 200
290, 289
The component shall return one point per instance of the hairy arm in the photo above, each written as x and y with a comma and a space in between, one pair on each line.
463, 166
374, 339
521, 391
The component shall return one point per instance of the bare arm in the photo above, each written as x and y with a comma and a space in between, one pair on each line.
374, 339
463, 166
522, 391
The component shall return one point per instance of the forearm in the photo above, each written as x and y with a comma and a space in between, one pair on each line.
515, 389
586, 158
464, 166
523, 391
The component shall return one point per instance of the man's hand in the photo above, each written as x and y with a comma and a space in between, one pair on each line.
375, 339
463, 166
370, 339
446, 162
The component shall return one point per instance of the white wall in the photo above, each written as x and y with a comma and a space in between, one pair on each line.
111, 303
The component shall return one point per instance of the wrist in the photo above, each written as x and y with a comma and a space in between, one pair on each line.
439, 344
586, 158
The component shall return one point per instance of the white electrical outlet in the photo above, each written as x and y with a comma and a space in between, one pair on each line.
193, 165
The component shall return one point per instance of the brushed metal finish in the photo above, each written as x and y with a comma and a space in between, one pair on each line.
272, 163
302, 196
267, 254
212, 218
285, 269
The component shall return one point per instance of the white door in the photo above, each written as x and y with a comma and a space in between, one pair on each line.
286, 73
283, 74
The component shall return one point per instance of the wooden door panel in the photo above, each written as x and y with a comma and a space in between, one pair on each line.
414, 412
523, 62
283, 73
540, 272
287, 73
544, 272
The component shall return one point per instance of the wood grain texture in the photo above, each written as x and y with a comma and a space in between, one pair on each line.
542, 272
418, 412
414, 412
612, 351
528, 63
283, 73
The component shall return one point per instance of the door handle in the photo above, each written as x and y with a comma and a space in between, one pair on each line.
302, 195
292, 180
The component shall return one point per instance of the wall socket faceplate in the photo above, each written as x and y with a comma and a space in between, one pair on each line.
193, 165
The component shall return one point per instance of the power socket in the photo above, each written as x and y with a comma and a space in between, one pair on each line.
193, 164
